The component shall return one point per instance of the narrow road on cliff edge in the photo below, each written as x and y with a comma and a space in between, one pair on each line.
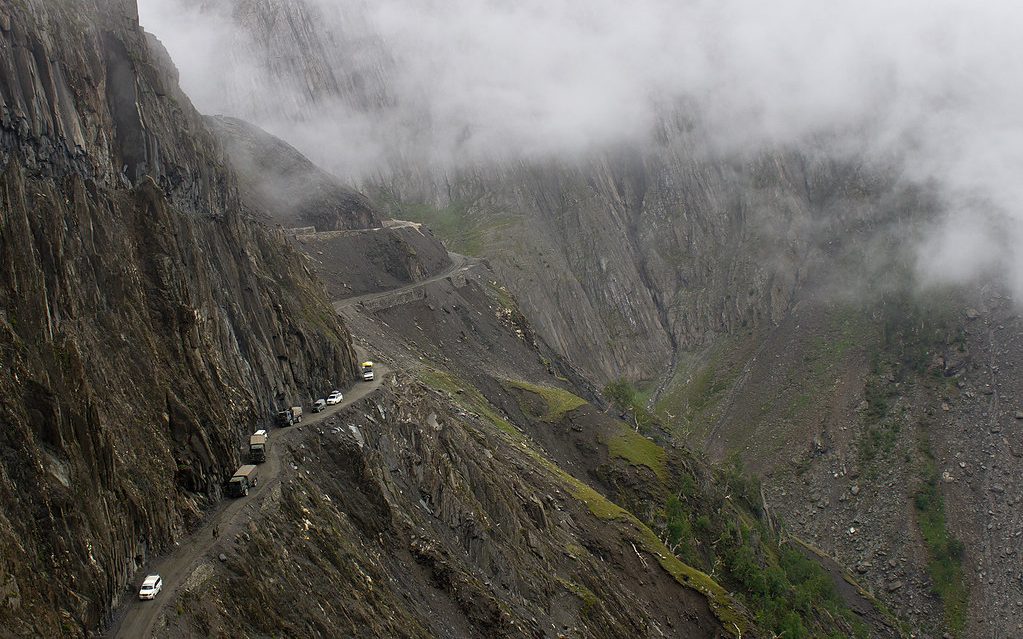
136, 618
459, 263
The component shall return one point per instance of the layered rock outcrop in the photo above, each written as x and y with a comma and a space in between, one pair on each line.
145, 324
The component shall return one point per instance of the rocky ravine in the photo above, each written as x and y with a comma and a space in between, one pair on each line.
145, 325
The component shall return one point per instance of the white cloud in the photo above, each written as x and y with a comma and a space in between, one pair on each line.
452, 83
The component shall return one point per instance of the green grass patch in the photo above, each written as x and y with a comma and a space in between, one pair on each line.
468, 398
945, 552
452, 223
638, 451
706, 386
560, 402
599, 506
732, 619
585, 595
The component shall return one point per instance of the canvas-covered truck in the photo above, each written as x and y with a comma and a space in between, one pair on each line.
244, 478
258, 444
367, 371
290, 416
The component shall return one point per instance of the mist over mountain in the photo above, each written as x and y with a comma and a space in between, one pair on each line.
926, 87
490, 319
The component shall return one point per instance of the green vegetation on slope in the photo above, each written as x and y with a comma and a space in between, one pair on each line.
638, 450
585, 595
625, 398
719, 600
945, 552
452, 223
881, 425
913, 333
718, 528
559, 401
461, 223
699, 383
468, 397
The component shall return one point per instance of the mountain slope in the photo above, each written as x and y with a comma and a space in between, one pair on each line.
747, 296
144, 324
281, 184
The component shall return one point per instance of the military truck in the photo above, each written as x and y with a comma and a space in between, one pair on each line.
244, 478
258, 444
290, 416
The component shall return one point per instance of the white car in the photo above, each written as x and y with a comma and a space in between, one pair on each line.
262, 432
335, 398
151, 587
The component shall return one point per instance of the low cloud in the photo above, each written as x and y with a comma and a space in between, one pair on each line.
449, 84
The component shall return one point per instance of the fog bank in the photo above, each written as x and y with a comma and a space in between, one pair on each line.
455, 83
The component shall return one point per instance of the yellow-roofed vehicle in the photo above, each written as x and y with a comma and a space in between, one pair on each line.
367, 371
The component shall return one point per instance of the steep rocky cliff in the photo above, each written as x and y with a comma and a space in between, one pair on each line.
281, 184
753, 298
148, 323
145, 325
474, 495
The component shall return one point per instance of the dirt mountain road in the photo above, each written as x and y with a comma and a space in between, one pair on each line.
459, 263
136, 619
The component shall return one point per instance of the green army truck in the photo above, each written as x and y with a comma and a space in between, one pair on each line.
258, 444
244, 478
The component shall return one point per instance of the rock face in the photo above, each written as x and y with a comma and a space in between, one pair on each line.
623, 260
145, 324
434, 527
281, 184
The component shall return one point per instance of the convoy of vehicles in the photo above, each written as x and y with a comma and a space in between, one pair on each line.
247, 476
259, 443
244, 478
151, 587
